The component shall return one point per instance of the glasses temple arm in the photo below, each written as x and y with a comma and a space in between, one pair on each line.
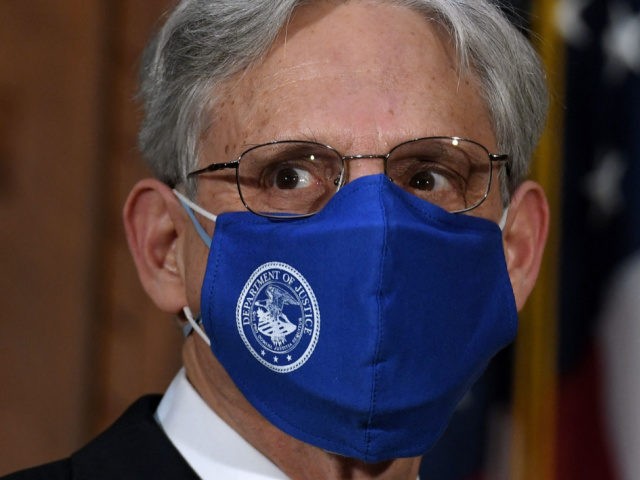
214, 167
502, 157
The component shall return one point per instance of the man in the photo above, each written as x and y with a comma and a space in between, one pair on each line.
344, 298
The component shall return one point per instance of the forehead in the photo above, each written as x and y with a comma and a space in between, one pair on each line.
358, 75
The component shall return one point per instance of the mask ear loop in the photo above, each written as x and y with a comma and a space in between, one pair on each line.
194, 325
503, 219
189, 206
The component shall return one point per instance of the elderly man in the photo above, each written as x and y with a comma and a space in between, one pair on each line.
340, 214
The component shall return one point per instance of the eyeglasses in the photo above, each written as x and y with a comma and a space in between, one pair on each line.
294, 178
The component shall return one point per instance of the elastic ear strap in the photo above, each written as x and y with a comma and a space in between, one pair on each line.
194, 326
503, 219
189, 206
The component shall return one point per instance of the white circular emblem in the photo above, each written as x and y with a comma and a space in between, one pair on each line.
278, 317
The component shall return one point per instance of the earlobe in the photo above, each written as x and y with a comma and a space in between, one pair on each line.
524, 238
152, 230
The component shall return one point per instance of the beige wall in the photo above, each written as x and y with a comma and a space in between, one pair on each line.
78, 338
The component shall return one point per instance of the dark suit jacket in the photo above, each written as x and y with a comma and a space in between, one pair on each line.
133, 448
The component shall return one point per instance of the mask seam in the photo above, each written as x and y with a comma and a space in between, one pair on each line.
213, 304
376, 357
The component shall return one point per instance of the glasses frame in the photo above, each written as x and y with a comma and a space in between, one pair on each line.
501, 158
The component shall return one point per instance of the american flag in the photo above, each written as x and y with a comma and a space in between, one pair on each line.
600, 238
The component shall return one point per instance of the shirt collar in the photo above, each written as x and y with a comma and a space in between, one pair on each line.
211, 447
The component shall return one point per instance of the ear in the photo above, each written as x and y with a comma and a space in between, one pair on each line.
524, 237
152, 226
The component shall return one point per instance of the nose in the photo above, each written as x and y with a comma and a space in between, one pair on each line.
362, 165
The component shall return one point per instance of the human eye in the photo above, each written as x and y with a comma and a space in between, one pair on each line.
431, 180
291, 171
292, 177
425, 177
289, 177
296, 167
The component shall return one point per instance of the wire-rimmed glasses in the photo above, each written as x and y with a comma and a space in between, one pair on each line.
296, 178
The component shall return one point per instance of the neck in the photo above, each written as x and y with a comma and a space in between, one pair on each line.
298, 460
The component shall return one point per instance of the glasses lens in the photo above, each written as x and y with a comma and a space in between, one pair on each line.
288, 178
452, 173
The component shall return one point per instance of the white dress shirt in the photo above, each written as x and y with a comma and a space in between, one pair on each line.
211, 447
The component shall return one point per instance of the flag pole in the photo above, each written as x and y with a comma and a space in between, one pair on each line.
534, 404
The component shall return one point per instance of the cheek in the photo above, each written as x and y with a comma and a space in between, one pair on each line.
226, 199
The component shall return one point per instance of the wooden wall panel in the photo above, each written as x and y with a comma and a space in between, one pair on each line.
78, 338
49, 64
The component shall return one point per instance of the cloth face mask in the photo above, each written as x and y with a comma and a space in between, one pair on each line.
360, 328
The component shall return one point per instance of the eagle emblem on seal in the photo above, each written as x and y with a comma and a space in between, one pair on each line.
272, 322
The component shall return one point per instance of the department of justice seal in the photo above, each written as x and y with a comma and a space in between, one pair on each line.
278, 317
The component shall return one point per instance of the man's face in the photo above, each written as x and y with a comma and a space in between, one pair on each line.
359, 76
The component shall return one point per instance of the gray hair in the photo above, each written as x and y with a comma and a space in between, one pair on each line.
205, 42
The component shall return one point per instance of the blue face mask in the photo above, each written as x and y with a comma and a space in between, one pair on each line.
360, 328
